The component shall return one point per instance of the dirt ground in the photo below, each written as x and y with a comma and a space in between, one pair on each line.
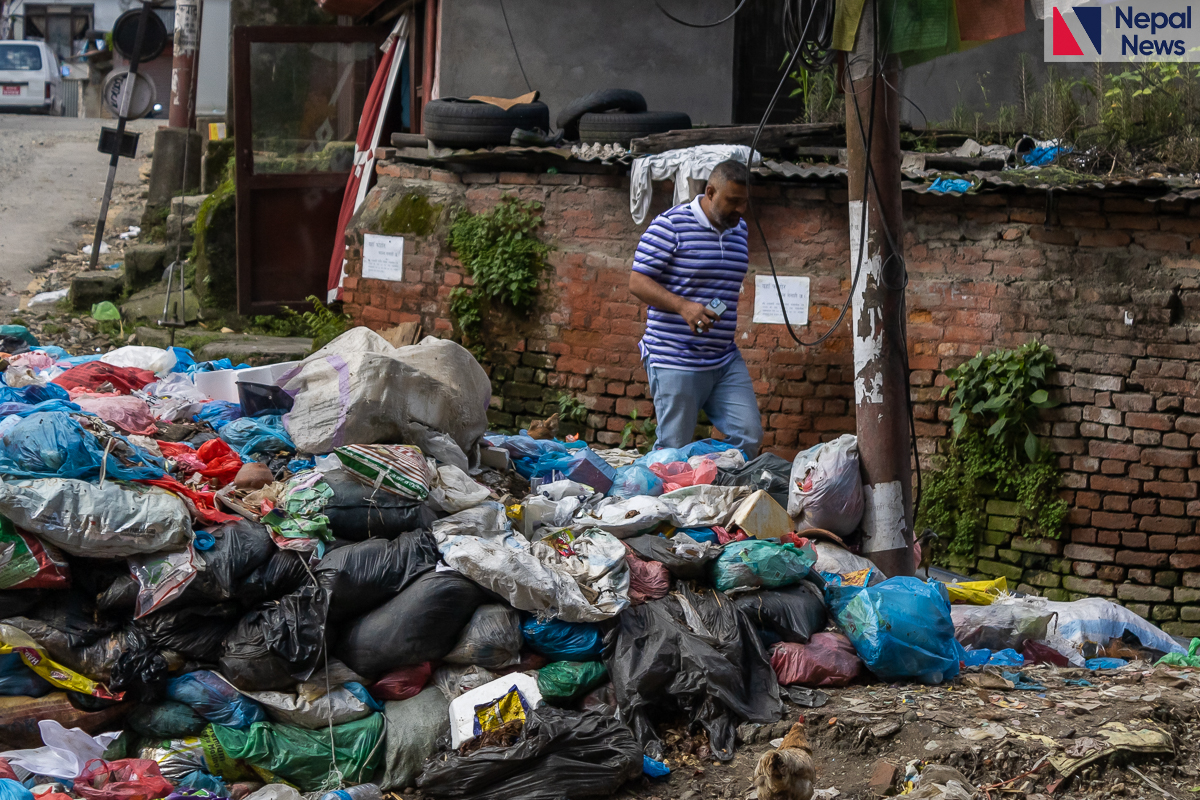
926, 724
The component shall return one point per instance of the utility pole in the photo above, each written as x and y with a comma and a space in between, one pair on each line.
182, 113
881, 399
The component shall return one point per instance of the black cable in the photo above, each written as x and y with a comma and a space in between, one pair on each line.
516, 53
721, 21
814, 39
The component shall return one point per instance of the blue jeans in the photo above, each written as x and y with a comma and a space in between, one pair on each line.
725, 394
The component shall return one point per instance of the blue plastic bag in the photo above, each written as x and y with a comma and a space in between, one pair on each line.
635, 481
184, 360
52, 444
706, 446
57, 353
11, 790
24, 409
360, 691
19, 332
215, 699
665, 455
218, 413
900, 627
654, 769
209, 783
761, 563
1105, 663
563, 641
32, 394
702, 535
18, 680
263, 435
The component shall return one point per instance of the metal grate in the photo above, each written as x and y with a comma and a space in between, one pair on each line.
72, 98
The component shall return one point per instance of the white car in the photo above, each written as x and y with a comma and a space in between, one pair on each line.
30, 78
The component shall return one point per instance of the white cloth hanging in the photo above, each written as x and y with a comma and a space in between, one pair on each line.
691, 162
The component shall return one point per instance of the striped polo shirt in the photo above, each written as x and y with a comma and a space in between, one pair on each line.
684, 252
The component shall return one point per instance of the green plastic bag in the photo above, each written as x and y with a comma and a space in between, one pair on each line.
302, 756
568, 680
19, 332
106, 312
761, 563
1192, 659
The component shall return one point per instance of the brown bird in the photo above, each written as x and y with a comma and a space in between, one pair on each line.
787, 773
544, 429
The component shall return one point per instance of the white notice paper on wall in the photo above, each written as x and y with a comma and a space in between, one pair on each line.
383, 257
766, 300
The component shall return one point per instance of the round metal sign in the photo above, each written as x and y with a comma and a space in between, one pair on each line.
124, 34
140, 103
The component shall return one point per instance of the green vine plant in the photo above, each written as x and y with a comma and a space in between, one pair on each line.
322, 324
500, 252
570, 408
994, 404
646, 429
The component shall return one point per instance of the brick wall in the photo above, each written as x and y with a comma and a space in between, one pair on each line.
1112, 285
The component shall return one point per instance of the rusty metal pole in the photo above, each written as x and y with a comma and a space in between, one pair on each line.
182, 113
881, 405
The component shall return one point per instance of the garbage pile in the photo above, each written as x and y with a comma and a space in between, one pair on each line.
232, 582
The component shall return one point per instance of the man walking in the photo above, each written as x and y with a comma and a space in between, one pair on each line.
688, 269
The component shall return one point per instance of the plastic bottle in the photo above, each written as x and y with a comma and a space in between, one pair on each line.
364, 791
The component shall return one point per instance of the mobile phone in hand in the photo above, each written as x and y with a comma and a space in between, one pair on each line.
717, 306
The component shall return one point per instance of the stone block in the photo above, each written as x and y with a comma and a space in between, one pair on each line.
1189, 613
1141, 609
1084, 569
1004, 508
1009, 524
1010, 572
144, 265
89, 288
1088, 586
1057, 595
1184, 594
1049, 547
997, 538
1168, 578
1083, 552
1143, 594
1164, 613
1184, 629
169, 171
1010, 556
1044, 579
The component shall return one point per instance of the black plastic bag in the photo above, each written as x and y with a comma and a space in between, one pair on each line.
283, 573
19, 602
420, 624
774, 482
653, 547
120, 596
358, 512
257, 399
165, 720
195, 632
559, 754
278, 643
695, 652
361, 576
74, 613
241, 547
793, 613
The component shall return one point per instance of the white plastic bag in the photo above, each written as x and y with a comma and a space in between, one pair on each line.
153, 359
451, 490
340, 706
161, 578
704, 506
65, 753
91, 521
826, 488
358, 389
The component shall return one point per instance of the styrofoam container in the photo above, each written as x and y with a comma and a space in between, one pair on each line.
222, 384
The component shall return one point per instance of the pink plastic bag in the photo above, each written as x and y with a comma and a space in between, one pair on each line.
127, 779
678, 474
648, 580
130, 414
827, 660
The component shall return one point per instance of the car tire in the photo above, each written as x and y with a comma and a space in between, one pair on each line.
597, 102
458, 123
620, 128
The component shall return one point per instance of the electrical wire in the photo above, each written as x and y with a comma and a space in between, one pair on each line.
517, 53
813, 38
721, 21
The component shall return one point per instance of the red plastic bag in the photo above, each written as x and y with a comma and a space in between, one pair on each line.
403, 683
127, 779
221, 461
182, 454
203, 505
54, 571
95, 374
648, 580
725, 537
1037, 653
6, 772
678, 474
827, 660
130, 414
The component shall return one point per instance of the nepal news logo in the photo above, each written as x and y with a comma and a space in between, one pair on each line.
1144, 32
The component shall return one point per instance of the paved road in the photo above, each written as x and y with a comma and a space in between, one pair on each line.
51, 181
